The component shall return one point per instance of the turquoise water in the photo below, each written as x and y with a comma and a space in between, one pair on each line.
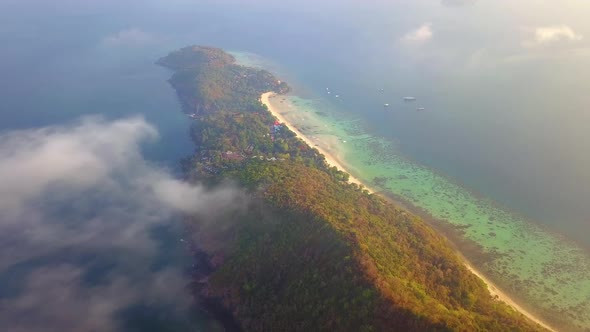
544, 271
504, 119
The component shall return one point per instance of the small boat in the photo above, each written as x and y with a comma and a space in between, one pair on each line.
409, 98
385, 105
419, 109
337, 96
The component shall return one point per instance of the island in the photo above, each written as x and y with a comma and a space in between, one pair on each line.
311, 250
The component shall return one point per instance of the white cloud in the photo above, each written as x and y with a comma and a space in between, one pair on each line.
86, 190
128, 37
93, 154
422, 34
552, 35
556, 33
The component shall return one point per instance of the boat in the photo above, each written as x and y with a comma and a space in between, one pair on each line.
420, 109
385, 105
409, 98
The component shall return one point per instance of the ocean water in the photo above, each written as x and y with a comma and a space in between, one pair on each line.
58, 67
501, 150
499, 153
544, 271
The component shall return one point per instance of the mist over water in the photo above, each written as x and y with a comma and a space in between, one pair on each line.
503, 83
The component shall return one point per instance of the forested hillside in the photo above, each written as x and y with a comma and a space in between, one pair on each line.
311, 252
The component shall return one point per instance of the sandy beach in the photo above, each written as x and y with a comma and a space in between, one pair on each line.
331, 156
494, 291
333, 160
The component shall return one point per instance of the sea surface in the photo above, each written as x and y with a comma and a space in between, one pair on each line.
500, 151
58, 66
543, 270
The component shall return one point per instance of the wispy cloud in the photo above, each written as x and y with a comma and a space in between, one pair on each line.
128, 37
552, 35
77, 199
422, 34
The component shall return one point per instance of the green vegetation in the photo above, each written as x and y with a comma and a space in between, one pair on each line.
208, 80
313, 252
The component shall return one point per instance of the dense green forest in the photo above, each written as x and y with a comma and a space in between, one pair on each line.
311, 252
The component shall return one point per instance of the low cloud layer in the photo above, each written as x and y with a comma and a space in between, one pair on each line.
79, 203
422, 34
55, 299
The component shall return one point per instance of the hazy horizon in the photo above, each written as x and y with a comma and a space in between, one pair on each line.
504, 84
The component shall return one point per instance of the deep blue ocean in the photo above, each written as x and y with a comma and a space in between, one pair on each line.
503, 119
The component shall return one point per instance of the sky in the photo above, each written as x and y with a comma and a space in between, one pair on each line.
515, 73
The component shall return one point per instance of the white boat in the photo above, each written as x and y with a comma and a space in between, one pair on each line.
409, 98
420, 109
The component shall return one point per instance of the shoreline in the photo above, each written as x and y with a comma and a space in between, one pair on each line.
502, 296
333, 160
